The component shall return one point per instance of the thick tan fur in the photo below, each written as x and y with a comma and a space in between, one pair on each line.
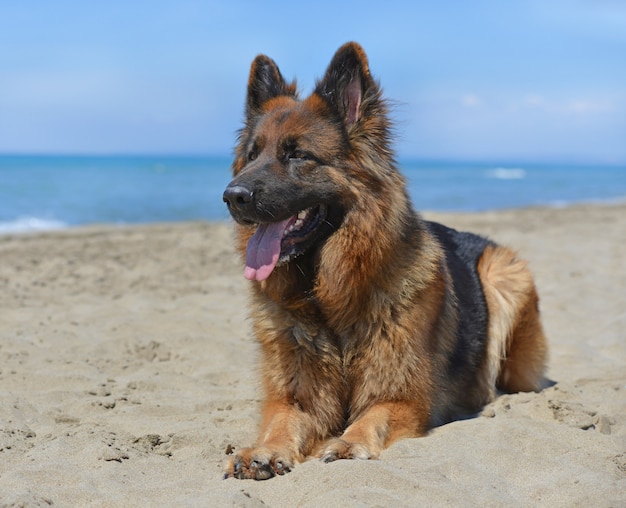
517, 348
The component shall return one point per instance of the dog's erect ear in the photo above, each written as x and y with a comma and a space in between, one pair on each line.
347, 81
265, 82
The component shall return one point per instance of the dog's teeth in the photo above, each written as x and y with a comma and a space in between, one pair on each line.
295, 226
298, 223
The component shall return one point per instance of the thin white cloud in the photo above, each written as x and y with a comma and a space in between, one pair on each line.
588, 106
471, 100
580, 106
534, 101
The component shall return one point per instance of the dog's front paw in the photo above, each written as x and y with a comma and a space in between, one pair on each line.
337, 448
257, 464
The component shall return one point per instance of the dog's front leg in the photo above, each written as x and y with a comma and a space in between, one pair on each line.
379, 426
285, 432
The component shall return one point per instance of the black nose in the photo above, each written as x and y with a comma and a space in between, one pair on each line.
237, 196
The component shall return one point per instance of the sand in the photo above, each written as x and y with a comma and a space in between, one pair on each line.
127, 372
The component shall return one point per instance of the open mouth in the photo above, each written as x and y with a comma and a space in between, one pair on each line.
276, 243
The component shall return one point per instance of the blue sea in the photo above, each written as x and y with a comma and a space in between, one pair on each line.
54, 192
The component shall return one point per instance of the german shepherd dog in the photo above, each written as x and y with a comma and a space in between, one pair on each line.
373, 324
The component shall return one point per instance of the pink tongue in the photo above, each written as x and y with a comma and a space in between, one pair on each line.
263, 250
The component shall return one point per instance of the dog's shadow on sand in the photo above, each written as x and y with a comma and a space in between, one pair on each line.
488, 410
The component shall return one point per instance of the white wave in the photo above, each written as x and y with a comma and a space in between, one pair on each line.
28, 224
507, 173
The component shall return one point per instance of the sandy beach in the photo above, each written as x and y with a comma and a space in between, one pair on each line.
127, 371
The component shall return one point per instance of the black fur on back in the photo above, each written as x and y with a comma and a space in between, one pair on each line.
463, 251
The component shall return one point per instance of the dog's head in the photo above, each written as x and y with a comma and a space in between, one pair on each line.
296, 163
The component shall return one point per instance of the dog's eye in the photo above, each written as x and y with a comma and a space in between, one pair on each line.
298, 155
252, 155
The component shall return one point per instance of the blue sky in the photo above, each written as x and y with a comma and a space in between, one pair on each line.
531, 80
